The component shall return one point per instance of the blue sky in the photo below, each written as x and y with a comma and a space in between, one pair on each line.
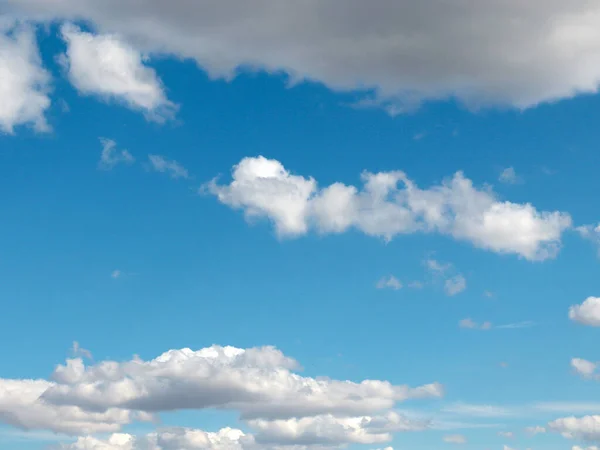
433, 235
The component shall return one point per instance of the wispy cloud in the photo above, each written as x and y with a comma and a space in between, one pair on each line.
389, 282
175, 170
111, 157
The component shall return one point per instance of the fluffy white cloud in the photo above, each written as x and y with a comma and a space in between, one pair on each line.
389, 282
21, 407
282, 407
105, 66
264, 188
486, 52
168, 439
455, 439
111, 157
327, 430
583, 367
24, 83
173, 168
588, 313
586, 428
257, 382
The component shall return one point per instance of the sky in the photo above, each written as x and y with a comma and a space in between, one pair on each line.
276, 225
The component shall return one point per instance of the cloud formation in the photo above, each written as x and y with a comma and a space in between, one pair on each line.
111, 157
24, 83
107, 67
173, 168
390, 204
588, 313
404, 52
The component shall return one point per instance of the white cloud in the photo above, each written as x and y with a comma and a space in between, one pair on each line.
470, 324
509, 176
263, 188
111, 157
406, 51
257, 382
116, 274
455, 439
105, 66
588, 313
586, 428
24, 83
577, 447
586, 369
20, 406
455, 285
466, 409
168, 439
173, 168
389, 282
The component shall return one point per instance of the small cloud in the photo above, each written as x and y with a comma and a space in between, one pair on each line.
419, 136
588, 313
548, 171
455, 439
586, 369
506, 434
590, 233
455, 285
77, 350
472, 325
488, 294
110, 156
504, 365
437, 267
389, 282
173, 168
509, 176
416, 285
116, 274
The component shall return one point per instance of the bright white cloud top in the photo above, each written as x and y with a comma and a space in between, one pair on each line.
24, 83
390, 204
588, 313
105, 66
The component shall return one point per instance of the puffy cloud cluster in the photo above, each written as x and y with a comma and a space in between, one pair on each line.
487, 52
588, 313
585, 428
24, 83
282, 407
105, 66
390, 204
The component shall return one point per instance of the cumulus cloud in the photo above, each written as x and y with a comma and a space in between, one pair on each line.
20, 406
111, 157
455, 439
105, 66
282, 407
585, 428
588, 313
172, 168
258, 382
404, 52
389, 204
586, 369
168, 439
389, 282
24, 83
